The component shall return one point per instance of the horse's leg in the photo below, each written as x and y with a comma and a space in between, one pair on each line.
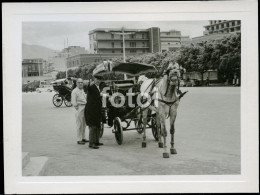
145, 112
164, 134
158, 125
173, 115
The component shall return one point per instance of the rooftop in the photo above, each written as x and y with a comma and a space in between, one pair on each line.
116, 30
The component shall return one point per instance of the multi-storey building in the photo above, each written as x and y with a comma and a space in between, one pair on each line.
58, 62
218, 29
32, 70
172, 40
222, 26
85, 59
137, 41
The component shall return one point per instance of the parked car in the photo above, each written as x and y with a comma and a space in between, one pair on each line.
45, 88
187, 83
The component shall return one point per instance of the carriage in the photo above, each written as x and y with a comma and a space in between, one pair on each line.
124, 117
63, 91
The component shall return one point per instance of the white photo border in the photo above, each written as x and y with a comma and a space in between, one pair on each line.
16, 13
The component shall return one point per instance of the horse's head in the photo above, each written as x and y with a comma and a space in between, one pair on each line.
173, 76
173, 73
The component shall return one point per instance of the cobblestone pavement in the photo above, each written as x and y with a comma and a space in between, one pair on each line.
207, 139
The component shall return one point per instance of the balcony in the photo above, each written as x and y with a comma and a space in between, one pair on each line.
119, 39
115, 48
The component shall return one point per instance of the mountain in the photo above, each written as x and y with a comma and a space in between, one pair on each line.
36, 51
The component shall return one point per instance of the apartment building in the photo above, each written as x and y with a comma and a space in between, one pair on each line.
136, 41
172, 40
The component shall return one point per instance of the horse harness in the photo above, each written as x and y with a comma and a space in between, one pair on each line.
168, 103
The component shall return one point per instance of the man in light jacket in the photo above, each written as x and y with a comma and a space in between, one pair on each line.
78, 100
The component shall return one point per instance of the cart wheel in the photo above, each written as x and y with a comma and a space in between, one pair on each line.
139, 126
101, 130
154, 128
67, 100
118, 130
57, 100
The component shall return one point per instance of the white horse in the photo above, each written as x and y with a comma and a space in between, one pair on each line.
167, 104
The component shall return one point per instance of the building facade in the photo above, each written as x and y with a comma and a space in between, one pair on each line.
172, 40
138, 41
85, 59
222, 26
33, 70
218, 29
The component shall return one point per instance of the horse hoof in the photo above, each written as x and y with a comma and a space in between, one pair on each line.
165, 155
173, 151
143, 144
160, 145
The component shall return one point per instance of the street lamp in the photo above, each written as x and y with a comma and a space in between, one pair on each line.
123, 33
123, 36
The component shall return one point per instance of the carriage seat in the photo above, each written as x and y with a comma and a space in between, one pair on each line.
124, 84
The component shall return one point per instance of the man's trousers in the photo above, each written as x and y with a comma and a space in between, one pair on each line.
94, 133
80, 122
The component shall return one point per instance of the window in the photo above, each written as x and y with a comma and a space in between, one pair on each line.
169, 43
132, 44
143, 36
113, 51
143, 50
121, 44
132, 36
121, 51
132, 51
113, 44
121, 36
112, 36
143, 44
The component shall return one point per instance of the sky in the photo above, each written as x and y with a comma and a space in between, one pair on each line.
54, 34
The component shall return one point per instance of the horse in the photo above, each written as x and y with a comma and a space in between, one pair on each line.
163, 93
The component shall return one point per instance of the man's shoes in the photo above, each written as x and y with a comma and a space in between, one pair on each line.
99, 144
93, 146
81, 142
84, 140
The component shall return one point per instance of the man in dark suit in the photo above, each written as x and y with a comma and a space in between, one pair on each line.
93, 112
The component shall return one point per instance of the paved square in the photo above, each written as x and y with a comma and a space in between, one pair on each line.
207, 139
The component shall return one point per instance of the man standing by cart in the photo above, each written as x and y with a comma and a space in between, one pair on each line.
93, 112
78, 100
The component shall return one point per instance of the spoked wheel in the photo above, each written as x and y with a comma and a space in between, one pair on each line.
67, 100
139, 125
154, 128
118, 131
101, 130
57, 100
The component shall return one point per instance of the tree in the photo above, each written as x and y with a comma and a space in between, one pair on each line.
61, 75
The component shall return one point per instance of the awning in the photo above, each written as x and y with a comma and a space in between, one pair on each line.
132, 68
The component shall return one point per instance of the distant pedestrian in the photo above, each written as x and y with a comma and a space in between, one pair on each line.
93, 112
207, 81
78, 100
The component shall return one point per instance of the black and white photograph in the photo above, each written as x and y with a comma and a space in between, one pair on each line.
114, 97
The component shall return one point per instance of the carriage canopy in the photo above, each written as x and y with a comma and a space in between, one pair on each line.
129, 68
